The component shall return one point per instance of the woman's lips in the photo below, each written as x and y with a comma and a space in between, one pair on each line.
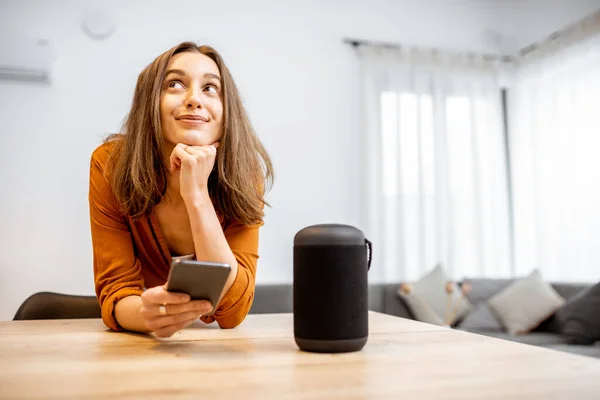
191, 122
192, 119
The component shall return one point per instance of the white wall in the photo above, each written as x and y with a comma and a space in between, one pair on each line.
298, 80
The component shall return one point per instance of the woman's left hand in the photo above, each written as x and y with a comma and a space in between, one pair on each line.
195, 164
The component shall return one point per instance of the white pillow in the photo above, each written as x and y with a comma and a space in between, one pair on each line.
428, 299
525, 304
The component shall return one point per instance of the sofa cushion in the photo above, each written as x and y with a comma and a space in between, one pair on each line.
525, 303
376, 297
428, 299
273, 298
568, 291
394, 304
278, 298
483, 289
581, 317
480, 319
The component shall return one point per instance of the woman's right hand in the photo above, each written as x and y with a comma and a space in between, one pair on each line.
166, 312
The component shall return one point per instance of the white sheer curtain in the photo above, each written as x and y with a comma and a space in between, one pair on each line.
435, 164
555, 153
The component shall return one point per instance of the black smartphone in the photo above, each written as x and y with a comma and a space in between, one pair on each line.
202, 280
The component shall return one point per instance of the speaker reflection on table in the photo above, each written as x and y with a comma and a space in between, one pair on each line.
331, 310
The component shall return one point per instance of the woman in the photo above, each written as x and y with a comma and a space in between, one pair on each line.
162, 189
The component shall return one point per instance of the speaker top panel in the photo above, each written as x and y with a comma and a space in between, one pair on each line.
329, 234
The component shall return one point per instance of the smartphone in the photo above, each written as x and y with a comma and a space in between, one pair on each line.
202, 280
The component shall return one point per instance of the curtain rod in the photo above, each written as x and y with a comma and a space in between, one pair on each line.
592, 19
386, 45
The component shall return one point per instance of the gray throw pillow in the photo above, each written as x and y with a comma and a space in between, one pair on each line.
525, 304
580, 317
428, 299
571, 292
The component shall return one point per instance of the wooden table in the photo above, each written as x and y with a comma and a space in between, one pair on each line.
404, 359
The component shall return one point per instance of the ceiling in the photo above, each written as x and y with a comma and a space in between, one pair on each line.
515, 24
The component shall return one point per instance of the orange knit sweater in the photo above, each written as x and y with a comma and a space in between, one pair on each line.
132, 254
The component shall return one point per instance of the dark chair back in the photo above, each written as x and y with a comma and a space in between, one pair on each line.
48, 305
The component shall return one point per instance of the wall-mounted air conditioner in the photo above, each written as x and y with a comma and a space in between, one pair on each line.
25, 59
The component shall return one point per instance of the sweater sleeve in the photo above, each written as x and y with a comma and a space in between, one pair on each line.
117, 272
236, 303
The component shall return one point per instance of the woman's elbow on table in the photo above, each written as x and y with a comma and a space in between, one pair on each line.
234, 319
231, 321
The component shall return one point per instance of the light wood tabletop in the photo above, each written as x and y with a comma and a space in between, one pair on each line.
77, 359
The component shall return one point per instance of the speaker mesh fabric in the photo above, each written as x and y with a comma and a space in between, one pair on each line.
330, 292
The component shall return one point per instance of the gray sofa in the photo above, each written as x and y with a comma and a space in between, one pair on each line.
383, 298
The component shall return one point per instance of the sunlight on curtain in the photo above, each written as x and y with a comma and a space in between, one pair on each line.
437, 145
555, 142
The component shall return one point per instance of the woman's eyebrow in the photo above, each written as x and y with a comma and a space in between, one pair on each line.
175, 71
212, 76
208, 75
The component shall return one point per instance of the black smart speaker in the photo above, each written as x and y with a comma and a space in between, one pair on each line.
331, 312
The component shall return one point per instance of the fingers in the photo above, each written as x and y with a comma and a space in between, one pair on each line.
157, 323
158, 295
170, 330
178, 154
184, 154
173, 164
165, 326
153, 310
180, 310
202, 152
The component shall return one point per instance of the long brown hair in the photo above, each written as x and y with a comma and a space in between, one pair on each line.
138, 174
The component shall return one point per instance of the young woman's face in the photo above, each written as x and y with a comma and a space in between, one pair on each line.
191, 109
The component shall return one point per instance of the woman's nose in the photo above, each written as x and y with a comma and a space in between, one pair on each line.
193, 100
